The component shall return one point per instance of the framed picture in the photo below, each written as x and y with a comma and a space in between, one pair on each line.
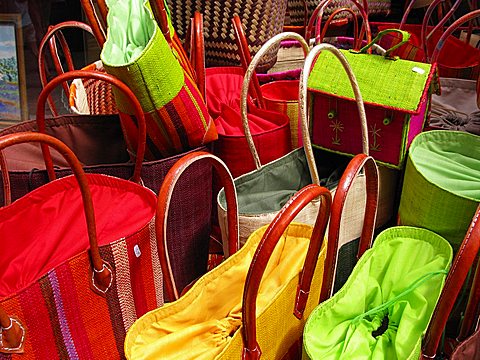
13, 96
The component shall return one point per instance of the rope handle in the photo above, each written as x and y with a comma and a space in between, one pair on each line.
246, 83
265, 248
464, 259
163, 205
303, 103
405, 36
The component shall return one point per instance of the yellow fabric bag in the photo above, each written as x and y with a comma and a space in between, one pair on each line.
209, 322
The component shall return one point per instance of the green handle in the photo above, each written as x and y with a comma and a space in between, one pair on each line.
405, 38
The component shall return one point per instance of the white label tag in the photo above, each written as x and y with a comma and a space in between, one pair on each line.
136, 250
418, 70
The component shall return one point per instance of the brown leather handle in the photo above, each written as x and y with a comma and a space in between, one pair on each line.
246, 59
164, 199
94, 20
316, 20
160, 13
102, 275
251, 349
331, 18
81, 74
471, 315
198, 50
353, 169
456, 24
7, 193
453, 285
50, 38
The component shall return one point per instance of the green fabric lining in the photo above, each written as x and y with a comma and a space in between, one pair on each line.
385, 82
138, 54
400, 257
268, 189
450, 160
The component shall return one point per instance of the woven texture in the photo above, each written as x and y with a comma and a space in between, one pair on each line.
440, 190
261, 20
62, 316
177, 117
99, 144
278, 328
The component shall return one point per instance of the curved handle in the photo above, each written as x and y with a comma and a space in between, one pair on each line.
316, 20
198, 52
303, 108
102, 274
71, 75
332, 18
161, 16
453, 285
7, 190
471, 315
50, 37
470, 16
164, 199
94, 20
424, 37
405, 37
248, 77
354, 167
246, 59
251, 349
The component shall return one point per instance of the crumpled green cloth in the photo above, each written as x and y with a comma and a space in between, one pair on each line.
130, 27
385, 306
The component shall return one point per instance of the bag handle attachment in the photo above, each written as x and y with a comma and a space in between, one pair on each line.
405, 37
465, 18
12, 332
356, 165
303, 92
251, 350
55, 32
248, 77
453, 285
71, 75
164, 199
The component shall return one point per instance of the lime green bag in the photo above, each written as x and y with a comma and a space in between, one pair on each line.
137, 52
441, 189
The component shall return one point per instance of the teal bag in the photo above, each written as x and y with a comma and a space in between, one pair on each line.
384, 308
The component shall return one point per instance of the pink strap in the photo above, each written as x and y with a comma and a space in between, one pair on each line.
164, 199
251, 350
82, 74
462, 263
351, 173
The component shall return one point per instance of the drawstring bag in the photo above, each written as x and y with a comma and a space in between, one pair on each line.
253, 304
137, 52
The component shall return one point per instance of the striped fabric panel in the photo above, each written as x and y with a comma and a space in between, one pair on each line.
157, 270
177, 118
122, 282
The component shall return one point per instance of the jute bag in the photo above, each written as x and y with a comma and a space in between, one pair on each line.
262, 192
277, 273
80, 266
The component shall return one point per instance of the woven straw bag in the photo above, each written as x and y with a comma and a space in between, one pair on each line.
282, 177
88, 282
277, 273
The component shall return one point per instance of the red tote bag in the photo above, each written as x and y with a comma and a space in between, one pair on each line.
94, 269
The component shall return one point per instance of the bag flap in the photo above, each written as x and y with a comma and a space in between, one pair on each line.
392, 83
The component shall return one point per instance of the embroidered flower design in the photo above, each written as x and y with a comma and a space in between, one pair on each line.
337, 127
375, 134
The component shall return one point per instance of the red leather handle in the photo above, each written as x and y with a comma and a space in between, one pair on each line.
56, 30
453, 285
161, 15
82, 74
353, 169
6, 180
355, 25
251, 349
164, 198
316, 18
198, 48
424, 37
246, 59
470, 16
471, 315
94, 20
102, 275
